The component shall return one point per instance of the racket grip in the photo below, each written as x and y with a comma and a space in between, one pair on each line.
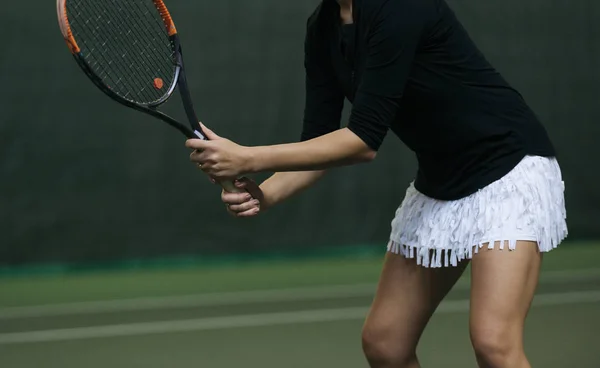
228, 186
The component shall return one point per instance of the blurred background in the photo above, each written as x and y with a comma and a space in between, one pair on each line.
115, 250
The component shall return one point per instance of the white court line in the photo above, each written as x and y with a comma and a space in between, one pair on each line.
244, 297
254, 320
198, 300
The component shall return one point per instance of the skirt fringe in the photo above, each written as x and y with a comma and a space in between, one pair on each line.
526, 204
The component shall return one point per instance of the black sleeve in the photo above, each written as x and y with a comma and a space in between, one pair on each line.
395, 33
324, 97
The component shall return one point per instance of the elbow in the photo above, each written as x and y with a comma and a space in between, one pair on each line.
360, 151
367, 155
363, 151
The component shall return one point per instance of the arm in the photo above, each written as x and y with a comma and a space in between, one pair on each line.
339, 148
323, 144
396, 30
255, 199
322, 115
395, 34
392, 43
284, 185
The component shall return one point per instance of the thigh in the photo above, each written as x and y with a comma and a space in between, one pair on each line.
503, 285
407, 296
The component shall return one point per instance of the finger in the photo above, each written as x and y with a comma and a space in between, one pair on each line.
229, 211
208, 169
246, 206
249, 213
210, 135
241, 182
212, 180
197, 144
199, 157
235, 198
250, 186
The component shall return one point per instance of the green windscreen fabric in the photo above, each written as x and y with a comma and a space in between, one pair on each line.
83, 179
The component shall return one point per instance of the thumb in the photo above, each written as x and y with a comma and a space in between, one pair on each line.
250, 186
210, 135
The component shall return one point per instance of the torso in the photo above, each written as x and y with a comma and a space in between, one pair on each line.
466, 124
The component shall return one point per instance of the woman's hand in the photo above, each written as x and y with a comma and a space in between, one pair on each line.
247, 204
220, 158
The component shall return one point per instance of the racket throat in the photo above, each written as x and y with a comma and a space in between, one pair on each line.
184, 90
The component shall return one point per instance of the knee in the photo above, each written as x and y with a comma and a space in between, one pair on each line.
496, 345
383, 349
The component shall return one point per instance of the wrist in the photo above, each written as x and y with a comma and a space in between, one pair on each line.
252, 155
268, 200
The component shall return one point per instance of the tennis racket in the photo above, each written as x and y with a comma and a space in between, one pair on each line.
131, 51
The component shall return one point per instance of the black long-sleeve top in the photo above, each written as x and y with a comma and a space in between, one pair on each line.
410, 66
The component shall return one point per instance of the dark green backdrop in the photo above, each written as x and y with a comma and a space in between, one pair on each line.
85, 179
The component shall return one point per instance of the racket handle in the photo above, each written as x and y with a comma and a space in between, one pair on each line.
228, 186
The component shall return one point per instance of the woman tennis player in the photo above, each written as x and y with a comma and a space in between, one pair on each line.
488, 189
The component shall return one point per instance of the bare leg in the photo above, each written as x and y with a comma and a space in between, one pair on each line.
502, 289
407, 296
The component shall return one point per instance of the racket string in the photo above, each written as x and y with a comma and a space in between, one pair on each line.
160, 29
140, 51
102, 66
162, 36
140, 86
127, 46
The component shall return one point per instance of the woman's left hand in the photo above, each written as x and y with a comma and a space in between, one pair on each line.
220, 158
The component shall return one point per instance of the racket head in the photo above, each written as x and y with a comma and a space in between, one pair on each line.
129, 49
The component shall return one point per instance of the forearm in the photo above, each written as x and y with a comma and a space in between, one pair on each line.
338, 148
284, 185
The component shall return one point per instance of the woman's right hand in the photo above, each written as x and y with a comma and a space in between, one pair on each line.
246, 204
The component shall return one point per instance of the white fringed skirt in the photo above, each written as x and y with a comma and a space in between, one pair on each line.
526, 204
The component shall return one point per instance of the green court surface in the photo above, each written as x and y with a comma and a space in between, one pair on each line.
305, 313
